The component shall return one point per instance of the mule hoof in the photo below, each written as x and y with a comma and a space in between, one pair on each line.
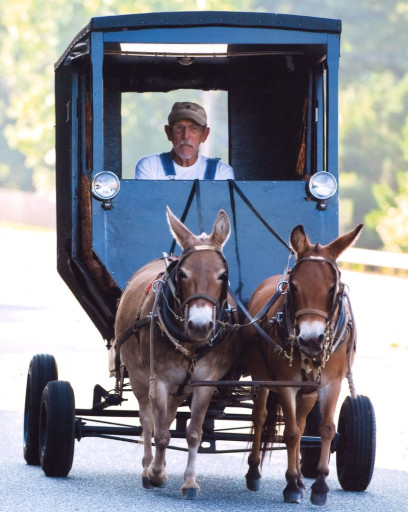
190, 494
302, 488
146, 483
253, 484
318, 499
292, 496
149, 484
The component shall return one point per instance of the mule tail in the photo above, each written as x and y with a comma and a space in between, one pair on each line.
271, 426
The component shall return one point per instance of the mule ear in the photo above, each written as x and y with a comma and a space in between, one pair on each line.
340, 244
221, 229
178, 229
299, 240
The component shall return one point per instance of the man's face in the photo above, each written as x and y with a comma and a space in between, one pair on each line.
186, 137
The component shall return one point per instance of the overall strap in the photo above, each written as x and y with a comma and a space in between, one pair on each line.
167, 163
211, 168
168, 166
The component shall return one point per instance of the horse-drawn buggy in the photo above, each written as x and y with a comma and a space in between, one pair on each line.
202, 334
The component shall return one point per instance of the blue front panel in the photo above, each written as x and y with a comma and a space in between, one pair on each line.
135, 231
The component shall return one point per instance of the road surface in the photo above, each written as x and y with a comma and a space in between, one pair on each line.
39, 315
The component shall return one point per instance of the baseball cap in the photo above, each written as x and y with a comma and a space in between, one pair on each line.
188, 110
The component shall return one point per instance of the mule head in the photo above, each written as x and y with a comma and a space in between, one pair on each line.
314, 287
202, 275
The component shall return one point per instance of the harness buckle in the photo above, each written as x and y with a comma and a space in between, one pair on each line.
282, 287
156, 283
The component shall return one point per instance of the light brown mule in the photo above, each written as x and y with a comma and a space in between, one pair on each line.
183, 341
313, 323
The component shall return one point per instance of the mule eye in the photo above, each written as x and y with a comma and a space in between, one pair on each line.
293, 288
182, 274
223, 276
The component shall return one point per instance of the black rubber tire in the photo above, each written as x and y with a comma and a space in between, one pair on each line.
310, 456
42, 370
355, 454
57, 428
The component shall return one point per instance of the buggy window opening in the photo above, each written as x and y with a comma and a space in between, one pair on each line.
218, 59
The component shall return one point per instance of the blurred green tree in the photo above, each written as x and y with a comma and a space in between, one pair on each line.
33, 34
373, 134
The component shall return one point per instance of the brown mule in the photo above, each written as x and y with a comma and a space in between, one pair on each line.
180, 337
312, 341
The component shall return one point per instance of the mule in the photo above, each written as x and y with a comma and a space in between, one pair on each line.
179, 335
310, 344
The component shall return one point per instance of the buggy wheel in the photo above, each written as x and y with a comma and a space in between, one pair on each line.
42, 370
57, 428
310, 456
356, 446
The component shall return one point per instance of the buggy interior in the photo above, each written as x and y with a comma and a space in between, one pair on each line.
268, 95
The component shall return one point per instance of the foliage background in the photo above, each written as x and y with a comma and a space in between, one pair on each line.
373, 96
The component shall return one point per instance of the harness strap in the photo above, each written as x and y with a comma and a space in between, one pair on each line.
125, 336
276, 348
261, 313
311, 311
186, 210
200, 296
233, 186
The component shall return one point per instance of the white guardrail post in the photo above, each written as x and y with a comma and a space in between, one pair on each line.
378, 261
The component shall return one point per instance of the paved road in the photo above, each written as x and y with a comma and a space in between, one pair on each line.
38, 314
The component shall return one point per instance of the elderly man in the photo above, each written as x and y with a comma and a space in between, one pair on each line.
186, 130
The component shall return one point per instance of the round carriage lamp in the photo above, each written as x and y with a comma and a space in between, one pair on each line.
322, 186
105, 186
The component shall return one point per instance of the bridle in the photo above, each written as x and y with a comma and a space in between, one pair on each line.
292, 315
172, 307
184, 302
339, 319
168, 293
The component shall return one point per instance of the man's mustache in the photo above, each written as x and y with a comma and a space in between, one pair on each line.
185, 143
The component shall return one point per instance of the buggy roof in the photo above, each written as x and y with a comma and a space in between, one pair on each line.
166, 20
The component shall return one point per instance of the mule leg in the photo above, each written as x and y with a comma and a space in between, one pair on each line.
304, 404
327, 430
199, 404
159, 396
253, 477
141, 392
146, 420
292, 492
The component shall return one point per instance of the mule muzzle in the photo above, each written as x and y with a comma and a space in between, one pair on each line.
201, 331
200, 318
311, 338
311, 346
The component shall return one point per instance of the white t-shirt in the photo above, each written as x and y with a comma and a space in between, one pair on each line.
150, 168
